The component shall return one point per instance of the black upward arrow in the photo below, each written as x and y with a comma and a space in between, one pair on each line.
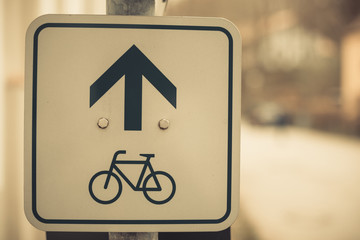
133, 64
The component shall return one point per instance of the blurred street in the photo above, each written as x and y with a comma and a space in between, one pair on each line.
298, 184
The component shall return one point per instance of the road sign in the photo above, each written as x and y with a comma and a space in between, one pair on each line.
132, 123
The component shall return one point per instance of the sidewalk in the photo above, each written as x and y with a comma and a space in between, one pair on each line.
299, 184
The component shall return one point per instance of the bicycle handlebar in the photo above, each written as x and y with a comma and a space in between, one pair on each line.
119, 152
147, 155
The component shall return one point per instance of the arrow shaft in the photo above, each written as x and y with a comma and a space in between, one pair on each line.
133, 100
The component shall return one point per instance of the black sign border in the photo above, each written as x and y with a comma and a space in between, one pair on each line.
131, 26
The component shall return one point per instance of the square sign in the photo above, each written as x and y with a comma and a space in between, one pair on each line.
132, 123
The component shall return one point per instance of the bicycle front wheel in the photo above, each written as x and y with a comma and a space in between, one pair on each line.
105, 194
161, 193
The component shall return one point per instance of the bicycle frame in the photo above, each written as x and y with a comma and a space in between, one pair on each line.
146, 164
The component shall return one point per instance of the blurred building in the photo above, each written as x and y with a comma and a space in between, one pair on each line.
291, 66
350, 74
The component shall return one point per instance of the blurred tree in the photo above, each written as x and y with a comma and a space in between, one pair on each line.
327, 16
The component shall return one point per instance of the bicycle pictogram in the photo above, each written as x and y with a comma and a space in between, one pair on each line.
155, 182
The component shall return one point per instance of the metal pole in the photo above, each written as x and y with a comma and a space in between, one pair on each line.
130, 7
143, 8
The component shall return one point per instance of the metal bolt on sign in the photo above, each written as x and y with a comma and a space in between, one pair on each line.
164, 124
103, 123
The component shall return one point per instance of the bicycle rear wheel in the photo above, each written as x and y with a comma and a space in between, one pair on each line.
159, 194
101, 194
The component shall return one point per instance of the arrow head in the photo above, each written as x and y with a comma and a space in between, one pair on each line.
133, 64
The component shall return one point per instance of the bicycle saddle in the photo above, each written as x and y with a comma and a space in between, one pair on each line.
147, 155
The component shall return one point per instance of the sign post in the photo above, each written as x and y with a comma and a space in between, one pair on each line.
132, 124
144, 8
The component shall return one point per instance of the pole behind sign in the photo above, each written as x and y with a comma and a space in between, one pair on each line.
142, 8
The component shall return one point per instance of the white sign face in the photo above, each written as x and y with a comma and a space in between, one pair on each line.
132, 123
